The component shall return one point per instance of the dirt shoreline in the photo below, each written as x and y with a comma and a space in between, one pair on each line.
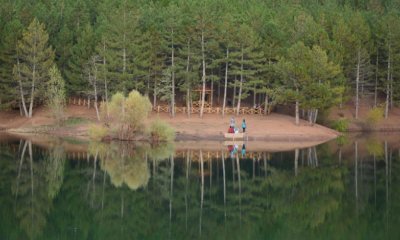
273, 127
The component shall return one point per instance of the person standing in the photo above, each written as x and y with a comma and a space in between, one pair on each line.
244, 126
232, 122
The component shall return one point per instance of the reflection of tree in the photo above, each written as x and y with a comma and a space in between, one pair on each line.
32, 198
55, 170
123, 163
306, 200
375, 147
267, 201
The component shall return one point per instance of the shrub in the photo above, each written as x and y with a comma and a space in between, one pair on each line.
323, 116
341, 125
96, 132
373, 117
161, 130
55, 94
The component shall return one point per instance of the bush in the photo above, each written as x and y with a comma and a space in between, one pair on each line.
341, 125
96, 132
373, 117
161, 130
323, 116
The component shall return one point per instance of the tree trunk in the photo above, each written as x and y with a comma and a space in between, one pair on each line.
173, 75
240, 186
240, 86
172, 190
387, 85
88, 100
204, 74
254, 95
21, 90
355, 174
188, 97
315, 116
219, 90
105, 80
357, 80
391, 91
266, 104
296, 161
376, 78
223, 172
32, 91
226, 83
202, 189
155, 90
212, 91
297, 110
234, 93
95, 104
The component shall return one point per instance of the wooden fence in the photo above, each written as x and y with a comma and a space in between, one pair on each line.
83, 102
167, 109
194, 155
244, 110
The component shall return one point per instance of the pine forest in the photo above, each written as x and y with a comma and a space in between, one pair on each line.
315, 54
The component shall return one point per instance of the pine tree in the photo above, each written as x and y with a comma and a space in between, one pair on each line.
246, 61
81, 51
9, 56
360, 36
37, 58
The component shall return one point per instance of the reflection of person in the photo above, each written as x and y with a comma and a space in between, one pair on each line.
243, 149
236, 148
244, 126
232, 122
230, 148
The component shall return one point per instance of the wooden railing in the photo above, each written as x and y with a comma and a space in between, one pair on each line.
83, 102
244, 110
166, 108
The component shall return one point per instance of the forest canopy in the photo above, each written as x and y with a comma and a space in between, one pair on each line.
319, 52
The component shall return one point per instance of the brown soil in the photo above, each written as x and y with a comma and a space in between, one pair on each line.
349, 109
274, 127
365, 105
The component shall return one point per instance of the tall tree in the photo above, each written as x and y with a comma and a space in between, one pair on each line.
37, 59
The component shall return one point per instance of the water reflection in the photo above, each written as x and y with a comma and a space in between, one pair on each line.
343, 189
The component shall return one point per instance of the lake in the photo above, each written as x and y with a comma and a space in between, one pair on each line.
72, 189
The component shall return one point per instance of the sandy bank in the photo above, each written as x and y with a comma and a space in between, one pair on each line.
274, 127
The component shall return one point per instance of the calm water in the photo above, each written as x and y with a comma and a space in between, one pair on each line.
344, 189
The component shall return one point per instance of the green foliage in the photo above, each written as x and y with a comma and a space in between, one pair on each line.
133, 109
343, 140
71, 121
341, 125
375, 147
162, 130
96, 132
373, 117
156, 47
55, 94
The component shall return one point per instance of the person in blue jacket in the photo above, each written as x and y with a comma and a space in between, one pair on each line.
232, 122
244, 126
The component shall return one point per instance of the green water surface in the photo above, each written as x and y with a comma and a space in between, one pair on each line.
343, 189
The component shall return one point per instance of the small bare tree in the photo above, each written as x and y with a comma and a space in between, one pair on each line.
91, 74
